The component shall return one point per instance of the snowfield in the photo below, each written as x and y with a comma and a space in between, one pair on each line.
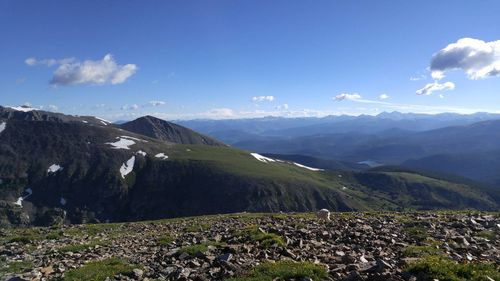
121, 143
54, 168
162, 156
127, 167
22, 108
262, 158
103, 121
306, 167
2, 126
132, 138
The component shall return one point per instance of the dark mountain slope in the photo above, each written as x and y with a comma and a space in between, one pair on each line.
167, 131
81, 172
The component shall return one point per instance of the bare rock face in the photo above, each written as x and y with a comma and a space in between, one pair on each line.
352, 246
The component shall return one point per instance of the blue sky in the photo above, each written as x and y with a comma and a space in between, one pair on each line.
239, 59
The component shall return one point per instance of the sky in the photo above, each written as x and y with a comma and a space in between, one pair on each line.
240, 59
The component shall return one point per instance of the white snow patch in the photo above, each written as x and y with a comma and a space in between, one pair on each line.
22, 108
306, 167
132, 138
103, 121
19, 201
127, 167
344, 188
161, 155
54, 168
85, 121
121, 143
62, 201
2, 126
262, 158
140, 152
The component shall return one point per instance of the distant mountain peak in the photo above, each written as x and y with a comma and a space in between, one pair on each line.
167, 131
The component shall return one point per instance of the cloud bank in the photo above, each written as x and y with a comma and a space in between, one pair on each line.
98, 72
435, 86
477, 58
347, 96
262, 98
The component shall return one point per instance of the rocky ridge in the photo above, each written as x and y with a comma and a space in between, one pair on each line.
352, 246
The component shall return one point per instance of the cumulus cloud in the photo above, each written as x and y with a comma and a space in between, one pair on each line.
347, 96
130, 107
435, 86
282, 106
262, 98
99, 72
383, 97
477, 58
156, 103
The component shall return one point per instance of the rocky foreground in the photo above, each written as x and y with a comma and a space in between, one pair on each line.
352, 246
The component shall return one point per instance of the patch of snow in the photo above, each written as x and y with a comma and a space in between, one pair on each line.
22, 108
85, 121
2, 126
262, 158
188, 150
161, 155
62, 201
121, 143
54, 168
132, 138
141, 153
340, 176
306, 167
344, 188
127, 167
103, 121
19, 201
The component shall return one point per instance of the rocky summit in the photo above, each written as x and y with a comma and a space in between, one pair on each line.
245, 246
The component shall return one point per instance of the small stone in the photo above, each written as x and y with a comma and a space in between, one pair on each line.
138, 272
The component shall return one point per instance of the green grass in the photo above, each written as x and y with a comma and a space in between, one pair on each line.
199, 248
418, 233
266, 240
420, 251
445, 269
99, 270
15, 267
490, 235
284, 270
80, 247
165, 240
92, 229
197, 227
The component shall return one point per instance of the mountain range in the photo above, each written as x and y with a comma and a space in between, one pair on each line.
56, 167
463, 145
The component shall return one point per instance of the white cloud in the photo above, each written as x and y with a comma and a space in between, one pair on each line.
262, 98
130, 107
156, 103
51, 107
417, 78
347, 96
383, 97
435, 86
477, 58
282, 106
72, 72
